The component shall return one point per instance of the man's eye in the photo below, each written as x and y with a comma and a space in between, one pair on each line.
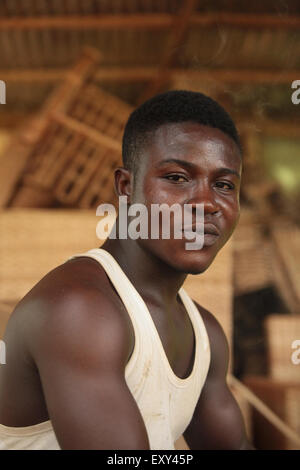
224, 185
176, 177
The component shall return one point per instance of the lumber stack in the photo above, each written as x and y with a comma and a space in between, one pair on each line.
280, 389
283, 398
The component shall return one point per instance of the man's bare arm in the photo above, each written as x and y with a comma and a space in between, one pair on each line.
217, 422
81, 349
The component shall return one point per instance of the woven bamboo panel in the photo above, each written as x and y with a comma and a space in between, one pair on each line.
252, 252
281, 331
249, 230
35, 241
252, 268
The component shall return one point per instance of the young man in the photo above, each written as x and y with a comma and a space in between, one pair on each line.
108, 351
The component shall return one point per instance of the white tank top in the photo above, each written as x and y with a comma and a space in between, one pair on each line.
166, 402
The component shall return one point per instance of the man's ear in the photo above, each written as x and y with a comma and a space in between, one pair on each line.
123, 182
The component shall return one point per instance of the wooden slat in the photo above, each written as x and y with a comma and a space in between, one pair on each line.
147, 73
78, 124
150, 21
101, 186
99, 110
85, 130
41, 145
105, 22
51, 164
74, 182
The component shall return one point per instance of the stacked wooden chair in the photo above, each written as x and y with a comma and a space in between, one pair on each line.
71, 147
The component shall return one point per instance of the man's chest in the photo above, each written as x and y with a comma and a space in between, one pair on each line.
176, 334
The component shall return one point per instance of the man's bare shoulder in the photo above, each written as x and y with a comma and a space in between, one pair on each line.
70, 305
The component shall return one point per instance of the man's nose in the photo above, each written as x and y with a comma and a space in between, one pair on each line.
204, 194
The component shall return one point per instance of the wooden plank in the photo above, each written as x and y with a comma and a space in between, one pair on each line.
147, 73
247, 20
105, 22
240, 75
150, 21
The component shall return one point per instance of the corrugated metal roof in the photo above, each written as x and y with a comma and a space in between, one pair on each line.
240, 45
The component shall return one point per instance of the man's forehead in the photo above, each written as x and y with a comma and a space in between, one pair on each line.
172, 133
188, 139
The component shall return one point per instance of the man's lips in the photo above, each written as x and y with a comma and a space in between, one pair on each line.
209, 229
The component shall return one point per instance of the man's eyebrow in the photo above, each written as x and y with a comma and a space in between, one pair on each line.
190, 165
229, 171
176, 160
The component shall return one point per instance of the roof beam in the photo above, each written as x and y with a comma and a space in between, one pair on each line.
248, 20
141, 73
105, 22
149, 21
178, 32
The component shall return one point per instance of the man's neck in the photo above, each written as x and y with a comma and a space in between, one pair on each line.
155, 281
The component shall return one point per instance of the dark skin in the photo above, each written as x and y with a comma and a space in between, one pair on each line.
69, 339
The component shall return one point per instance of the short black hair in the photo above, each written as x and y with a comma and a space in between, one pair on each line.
172, 107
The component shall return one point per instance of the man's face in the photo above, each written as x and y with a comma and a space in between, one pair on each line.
187, 163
